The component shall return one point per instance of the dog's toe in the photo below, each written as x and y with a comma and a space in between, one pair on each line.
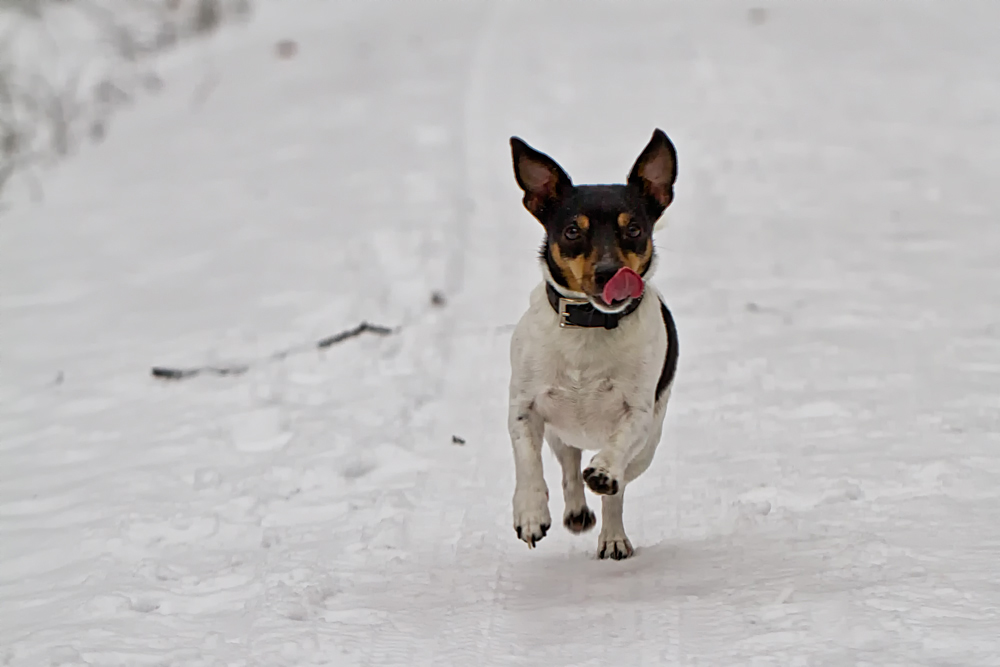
532, 534
615, 548
579, 521
531, 525
600, 481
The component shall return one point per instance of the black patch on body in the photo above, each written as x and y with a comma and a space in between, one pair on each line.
670, 359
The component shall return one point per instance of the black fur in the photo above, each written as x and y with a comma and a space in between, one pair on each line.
670, 359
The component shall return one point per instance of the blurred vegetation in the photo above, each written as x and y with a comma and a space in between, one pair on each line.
67, 65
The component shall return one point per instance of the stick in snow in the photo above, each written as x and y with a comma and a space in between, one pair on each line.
166, 373
351, 333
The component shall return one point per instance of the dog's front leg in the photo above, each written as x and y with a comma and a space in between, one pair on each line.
605, 474
531, 496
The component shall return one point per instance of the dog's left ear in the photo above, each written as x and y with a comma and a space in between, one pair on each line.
543, 181
654, 173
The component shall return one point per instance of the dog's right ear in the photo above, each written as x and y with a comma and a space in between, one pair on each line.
543, 181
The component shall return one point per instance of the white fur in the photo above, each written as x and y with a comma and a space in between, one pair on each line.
584, 389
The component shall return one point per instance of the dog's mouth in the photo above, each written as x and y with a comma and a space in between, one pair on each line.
616, 306
619, 291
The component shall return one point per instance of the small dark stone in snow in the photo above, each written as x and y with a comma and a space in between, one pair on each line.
286, 48
97, 131
455, 440
152, 83
437, 299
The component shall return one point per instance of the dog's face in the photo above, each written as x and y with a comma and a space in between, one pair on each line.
592, 231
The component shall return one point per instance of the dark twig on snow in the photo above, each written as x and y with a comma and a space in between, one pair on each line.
351, 333
181, 373
166, 373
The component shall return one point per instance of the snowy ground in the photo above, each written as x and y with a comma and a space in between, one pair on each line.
828, 487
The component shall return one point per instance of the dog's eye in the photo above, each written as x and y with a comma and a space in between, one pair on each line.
634, 231
572, 233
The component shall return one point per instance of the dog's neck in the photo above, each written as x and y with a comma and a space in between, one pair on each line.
575, 309
574, 312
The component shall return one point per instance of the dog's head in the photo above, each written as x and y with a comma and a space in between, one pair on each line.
593, 231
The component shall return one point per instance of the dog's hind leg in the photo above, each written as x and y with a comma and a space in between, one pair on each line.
629, 453
612, 542
640, 462
605, 474
577, 517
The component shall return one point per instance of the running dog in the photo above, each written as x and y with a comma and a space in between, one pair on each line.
594, 356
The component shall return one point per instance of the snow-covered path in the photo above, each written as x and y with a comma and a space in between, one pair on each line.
829, 481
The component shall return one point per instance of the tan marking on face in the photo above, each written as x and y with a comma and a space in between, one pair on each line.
636, 260
583, 222
578, 271
624, 219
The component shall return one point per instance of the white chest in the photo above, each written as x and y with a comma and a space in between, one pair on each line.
583, 407
584, 382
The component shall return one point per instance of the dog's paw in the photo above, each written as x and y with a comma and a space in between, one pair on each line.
600, 481
579, 521
615, 547
531, 527
531, 517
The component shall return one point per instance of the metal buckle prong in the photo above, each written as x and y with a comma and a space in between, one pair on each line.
564, 304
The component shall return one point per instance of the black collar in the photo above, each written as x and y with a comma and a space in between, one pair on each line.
580, 313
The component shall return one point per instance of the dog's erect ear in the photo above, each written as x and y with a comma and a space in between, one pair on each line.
654, 173
543, 181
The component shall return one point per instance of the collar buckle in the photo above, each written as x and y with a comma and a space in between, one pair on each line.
564, 304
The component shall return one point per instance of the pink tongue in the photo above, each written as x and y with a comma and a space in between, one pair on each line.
626, 283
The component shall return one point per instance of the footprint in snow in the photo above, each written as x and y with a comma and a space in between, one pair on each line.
358, 468
262, 430
144, 605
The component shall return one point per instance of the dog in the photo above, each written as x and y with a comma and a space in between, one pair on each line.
593, 358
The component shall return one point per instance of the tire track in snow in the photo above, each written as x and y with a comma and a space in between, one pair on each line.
387, 643
474, 110
485, 605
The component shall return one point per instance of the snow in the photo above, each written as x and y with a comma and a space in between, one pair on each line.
827, 489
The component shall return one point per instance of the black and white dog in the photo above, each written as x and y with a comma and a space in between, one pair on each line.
593, 358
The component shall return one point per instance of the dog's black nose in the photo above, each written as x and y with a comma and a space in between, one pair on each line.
602, 274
